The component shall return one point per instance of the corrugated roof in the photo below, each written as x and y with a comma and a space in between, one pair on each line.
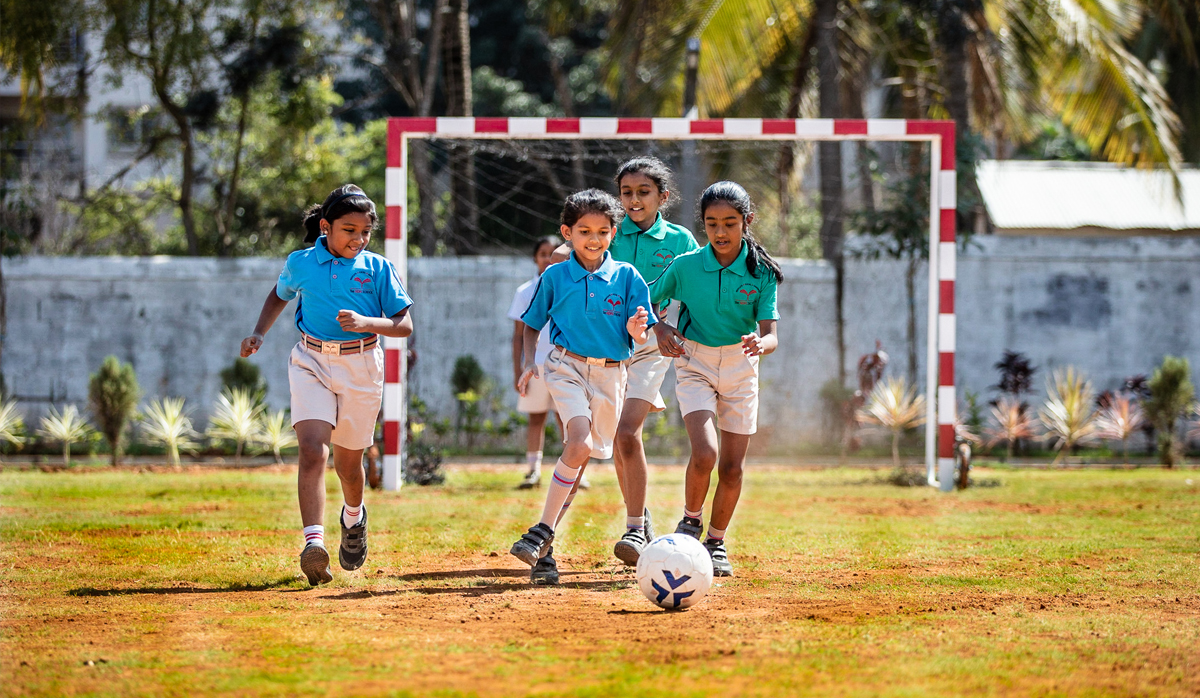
1022, 194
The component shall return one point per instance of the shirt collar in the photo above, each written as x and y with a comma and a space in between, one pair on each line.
607, 268
738, 267
323, 253
658, 231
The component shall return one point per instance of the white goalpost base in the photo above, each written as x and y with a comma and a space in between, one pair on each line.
941, 400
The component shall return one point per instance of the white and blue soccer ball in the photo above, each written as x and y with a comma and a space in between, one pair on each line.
675, 571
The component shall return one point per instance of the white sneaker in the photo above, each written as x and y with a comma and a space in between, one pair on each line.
583, 482
532, 479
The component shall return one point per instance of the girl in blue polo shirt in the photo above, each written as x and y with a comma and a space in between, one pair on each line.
596, 309
727, 319
345, 298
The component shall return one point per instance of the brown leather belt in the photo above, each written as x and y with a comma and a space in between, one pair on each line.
340, 348
607, 363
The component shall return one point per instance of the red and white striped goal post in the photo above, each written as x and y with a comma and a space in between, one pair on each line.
941, 408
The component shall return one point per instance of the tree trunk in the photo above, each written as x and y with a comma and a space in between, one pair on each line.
188, 175
896, 449
1008, 451
426, 233
66, 453
566, 100
464, 210
952, 35
230, 208
910, 294
830, 154
786, 164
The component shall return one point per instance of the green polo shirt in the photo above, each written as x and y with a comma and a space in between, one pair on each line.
718, 305
651, 251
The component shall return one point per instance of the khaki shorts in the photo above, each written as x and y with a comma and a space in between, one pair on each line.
646, 371
721, 380
536, 399
594, 392
345, 391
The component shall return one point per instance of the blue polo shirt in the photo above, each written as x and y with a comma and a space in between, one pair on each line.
587, 311
325, 284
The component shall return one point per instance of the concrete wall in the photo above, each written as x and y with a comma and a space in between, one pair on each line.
1111, 307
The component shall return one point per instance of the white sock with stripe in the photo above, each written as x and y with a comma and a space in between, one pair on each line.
351, 515
534, 459
635, 523
716, 533
693, 514
566, 505
314, 534
560, 488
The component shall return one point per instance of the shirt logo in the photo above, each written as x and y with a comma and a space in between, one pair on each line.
362, 282
662, 257
744, 295
612, 305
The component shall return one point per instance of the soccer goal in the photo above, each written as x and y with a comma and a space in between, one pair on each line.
940, 341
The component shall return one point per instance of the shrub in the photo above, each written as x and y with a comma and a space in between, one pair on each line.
1067, 414
896, 407
1119, 420
243, 374
467, 376
1171, 394
275, 433
167, 423
423, 466
65, 427
113, 393
236, 418
1012, 424
12, 426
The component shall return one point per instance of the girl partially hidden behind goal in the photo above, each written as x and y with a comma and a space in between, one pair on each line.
346, 297
727, 319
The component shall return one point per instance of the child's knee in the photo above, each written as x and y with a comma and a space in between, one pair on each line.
730, 471
628, 440
704, 458
312, 450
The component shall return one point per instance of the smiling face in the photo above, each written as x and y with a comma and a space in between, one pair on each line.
348, 235
590, 237
641, 199
724, 226
543, 256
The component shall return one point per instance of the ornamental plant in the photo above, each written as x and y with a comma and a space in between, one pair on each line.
236, 418
1119, 420
1171, 395
65, 427
167, 423
113, 395
275, 433
1068, 414
895, 406
12, 426
1013, 424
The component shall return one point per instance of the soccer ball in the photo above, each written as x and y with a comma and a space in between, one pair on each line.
675, 571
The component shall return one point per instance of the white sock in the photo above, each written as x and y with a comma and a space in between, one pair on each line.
635, 522
566, 505
314, 534
716, 533
351, 515
534, 458
693, 514
560, 488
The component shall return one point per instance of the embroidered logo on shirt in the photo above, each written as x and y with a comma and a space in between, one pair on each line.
362, 282
612, 304
744, 295
662, 257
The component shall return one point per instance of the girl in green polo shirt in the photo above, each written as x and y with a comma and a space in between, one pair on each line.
727, 319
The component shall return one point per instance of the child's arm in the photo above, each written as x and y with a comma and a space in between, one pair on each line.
398, 325
518, 349
762, 342
271, 309
670, 341
530, 338
636, 325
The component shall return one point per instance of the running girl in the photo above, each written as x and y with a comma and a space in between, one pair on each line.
347, 298
536, 401
649, 242
727, 320
596, 308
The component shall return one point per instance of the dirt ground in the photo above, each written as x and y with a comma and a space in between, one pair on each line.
943, 616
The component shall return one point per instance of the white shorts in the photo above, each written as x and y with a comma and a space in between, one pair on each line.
645, 371
582, 390
721, 380
345, 391
536, 399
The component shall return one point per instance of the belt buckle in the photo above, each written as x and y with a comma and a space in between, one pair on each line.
595, 362
331, 348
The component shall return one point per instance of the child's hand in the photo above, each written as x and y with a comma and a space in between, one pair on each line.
637, 325
670, 342
352, 321
251, 344
753, 345
531, 371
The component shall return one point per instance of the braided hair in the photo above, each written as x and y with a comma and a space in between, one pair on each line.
348, 198
736, 196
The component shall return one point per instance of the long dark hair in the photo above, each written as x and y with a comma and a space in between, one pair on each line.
550, 240
735, 195
348, 198
652, 167
588, 201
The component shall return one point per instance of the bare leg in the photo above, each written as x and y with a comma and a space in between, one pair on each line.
629, 456
313, 437
350, 471
729, 478
535, 437
702, 433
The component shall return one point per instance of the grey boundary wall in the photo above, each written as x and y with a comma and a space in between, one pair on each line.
1112, 307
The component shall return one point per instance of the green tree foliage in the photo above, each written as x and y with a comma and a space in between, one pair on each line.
1171, 395
244, 374
113, 394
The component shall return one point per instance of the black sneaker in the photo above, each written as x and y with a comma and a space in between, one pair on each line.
546, 569
533, 545
630, 547
720, 560
352, 553
314, 562
648, 526
690, 526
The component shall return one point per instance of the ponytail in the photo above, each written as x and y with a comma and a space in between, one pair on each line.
736, 196
348, 198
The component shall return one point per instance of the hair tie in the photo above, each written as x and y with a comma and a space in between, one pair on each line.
325, 209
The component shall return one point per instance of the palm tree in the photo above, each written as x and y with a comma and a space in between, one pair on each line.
236, 418
275, 433
167, 423
1012, 425
1068, 415
66, 427
896, 407
12, 426
1119, 420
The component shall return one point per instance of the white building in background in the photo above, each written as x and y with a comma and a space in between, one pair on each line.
1088, 199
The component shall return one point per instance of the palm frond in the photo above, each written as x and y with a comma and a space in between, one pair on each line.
65, 427
894, 406
12, 425
235, 418
1012, 423
166, 422
1121, 419
275, 433
1067, 414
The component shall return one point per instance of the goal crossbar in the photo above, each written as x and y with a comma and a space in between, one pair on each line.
940, 344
